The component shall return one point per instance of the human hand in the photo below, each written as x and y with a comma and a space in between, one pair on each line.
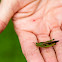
38, 23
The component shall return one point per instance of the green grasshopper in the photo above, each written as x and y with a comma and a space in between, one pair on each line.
47, 43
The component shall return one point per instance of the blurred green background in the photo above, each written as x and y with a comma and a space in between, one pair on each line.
10, 49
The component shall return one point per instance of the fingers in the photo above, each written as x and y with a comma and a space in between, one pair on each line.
6, 12
8, 8
57, 35
28, 10
29, 48
48, 53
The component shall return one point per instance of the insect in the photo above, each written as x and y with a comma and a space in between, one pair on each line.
47, 43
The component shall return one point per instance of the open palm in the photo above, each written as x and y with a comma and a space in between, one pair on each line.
40, 21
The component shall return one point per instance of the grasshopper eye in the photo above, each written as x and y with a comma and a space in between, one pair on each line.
53, 39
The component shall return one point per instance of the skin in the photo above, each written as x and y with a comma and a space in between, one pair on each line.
35, 21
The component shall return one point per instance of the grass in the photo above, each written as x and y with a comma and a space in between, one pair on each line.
10, 49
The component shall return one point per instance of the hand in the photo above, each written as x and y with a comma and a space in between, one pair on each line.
37, 22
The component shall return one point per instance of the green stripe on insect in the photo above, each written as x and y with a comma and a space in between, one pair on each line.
47, 43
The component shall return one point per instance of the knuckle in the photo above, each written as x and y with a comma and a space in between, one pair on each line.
2, 26
61, 27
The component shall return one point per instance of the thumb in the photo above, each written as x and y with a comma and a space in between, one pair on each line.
7, 9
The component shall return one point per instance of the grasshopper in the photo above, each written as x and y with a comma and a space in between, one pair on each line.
47, 43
